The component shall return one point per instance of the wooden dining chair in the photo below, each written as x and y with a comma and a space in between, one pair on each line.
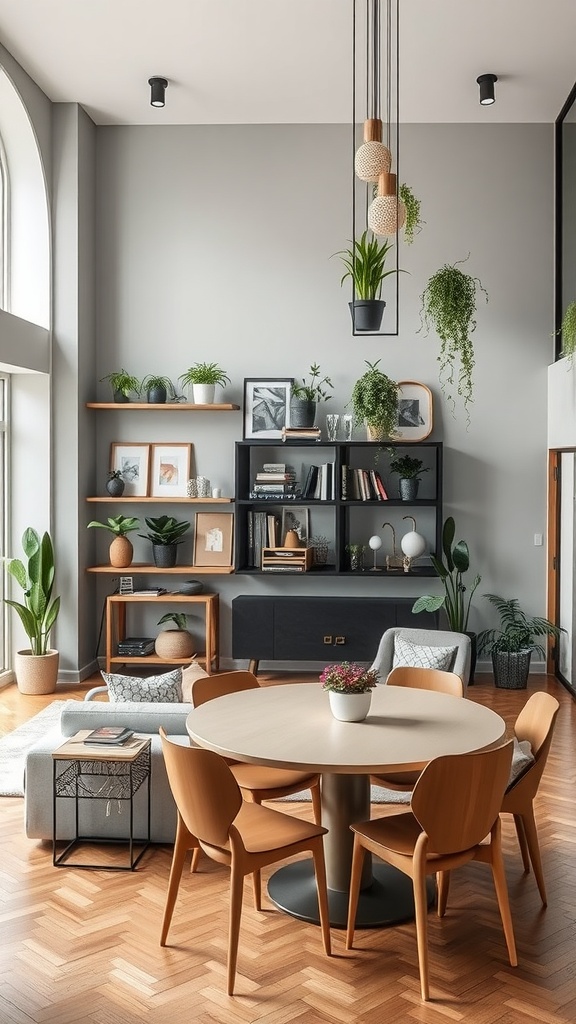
455, 806
257, 782
535, 723
422, 679
246, 837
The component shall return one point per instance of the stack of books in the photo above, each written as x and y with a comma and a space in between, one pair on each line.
362, 485
136, 646
275, 480
109, 736
301, 434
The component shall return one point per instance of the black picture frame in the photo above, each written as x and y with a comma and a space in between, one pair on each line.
266, 407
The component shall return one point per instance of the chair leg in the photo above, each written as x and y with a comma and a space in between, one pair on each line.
499, 875
356, 875
195, 859
320, 872
181, 846
531, 833
236, 888
421, 908
316, 803
519, 823
257, 889
443, 884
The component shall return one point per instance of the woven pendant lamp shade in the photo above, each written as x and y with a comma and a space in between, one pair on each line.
373, 158
386, 213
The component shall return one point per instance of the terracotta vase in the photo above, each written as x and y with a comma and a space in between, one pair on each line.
121, 552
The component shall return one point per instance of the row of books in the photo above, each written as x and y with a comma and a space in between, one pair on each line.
320, 483
362, 485
136, 646
263, 532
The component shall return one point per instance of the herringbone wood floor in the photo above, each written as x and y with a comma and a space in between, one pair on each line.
81, 947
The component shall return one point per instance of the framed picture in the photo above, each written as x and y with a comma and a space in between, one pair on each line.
266, 406
213, 535
133, 462
296, 517
170, 470
414, 411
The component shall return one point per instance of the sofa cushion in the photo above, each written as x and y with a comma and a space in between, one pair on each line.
141, 717
522, 758
189, 674
421, 655
164, 689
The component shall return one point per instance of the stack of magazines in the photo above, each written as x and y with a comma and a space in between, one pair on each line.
109, 735
136, 646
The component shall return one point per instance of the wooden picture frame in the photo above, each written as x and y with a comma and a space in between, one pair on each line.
266, 406
213, 538
170, 470
133, 462
415, 411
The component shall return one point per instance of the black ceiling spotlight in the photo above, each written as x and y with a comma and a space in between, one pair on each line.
158, 88
486, 83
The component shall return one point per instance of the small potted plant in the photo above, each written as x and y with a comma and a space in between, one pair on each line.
409, 471
304, 397
123, 384
412, 205
349, 689
356, 553
365, 261
166, 533
176, 642
115, 484
158, 389
511, 644
36, 668
203, 377
121, 550
374, 402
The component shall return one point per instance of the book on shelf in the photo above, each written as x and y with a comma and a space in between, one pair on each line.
275, 478
109, 735
301, 433
276, 467
275, 495
149, 592
280, 488
310, 482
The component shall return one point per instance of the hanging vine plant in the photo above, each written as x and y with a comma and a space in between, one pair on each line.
414, 221
449, 308
568, 331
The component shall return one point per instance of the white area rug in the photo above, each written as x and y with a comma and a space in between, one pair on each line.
15, 746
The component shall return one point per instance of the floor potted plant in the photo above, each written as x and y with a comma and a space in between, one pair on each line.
457, 597
304, 397
165, 533
121, 550
409, 471
203, 378
374, 402
123, 384
365, 262
510, 645
36, 667
349, 689
176, 642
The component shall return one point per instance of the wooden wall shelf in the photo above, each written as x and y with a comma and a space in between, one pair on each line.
163, 406
176, 570
148, 501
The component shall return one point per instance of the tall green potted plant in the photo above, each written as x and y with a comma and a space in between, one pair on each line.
304, 397
365, 262
36, 667
511, 644
374, 402
457, 597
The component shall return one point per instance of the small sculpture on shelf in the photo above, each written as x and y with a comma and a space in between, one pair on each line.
375, 543
413, 545
115, 484
393, 561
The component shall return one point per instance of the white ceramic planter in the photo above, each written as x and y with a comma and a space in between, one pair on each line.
350, 707
203, 394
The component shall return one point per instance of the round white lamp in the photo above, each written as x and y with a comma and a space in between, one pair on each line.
375, 543
413, 545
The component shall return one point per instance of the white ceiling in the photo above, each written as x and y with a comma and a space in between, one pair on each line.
289, 61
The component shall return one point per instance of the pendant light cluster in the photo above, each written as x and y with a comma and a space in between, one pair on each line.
386, 213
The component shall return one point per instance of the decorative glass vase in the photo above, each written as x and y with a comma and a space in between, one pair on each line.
350, 707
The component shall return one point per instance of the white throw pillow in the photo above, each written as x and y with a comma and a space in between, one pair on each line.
522, 757
164, 689
189, 674
422, 656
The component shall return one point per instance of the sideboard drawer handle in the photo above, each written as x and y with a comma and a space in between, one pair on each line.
340, 640
327, 639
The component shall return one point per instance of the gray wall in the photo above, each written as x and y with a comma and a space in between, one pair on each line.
215, 242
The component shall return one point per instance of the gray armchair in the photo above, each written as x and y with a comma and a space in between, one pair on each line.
384, 660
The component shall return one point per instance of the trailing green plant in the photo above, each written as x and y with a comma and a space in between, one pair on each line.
165, 529
407, 467
123, 383
315, 389
180, 619
414, 221
568, 331
365, 262
118, 525
375, 399
204, 373
448, 306
40, 610
457, 597
517, 631
156, 381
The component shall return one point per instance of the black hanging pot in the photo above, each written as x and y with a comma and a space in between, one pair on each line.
164, 555
302, 412
367, 314
157, 395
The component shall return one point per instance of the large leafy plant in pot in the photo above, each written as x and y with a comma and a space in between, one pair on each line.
365, 263
511, 644
374, 402
36, 668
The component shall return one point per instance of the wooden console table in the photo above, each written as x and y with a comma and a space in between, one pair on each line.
116, 628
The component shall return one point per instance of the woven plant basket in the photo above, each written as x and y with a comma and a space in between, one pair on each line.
174, 643
511, 669
36, 673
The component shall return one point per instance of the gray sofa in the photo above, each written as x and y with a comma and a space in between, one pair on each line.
144, 719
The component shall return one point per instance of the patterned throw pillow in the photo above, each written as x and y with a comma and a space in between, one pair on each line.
422, 656
165, 689
522, 757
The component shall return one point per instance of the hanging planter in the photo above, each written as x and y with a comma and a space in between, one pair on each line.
365, 262
414, 222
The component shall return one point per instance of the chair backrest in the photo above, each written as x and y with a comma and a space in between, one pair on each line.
208, 687
427, 679
535, 723
384, 660
205, 792
458, 797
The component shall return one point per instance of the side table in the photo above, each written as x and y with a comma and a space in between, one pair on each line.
110, 773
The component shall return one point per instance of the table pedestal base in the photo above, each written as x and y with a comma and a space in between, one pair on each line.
387, 900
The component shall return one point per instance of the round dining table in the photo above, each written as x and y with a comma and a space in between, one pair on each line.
291, 726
